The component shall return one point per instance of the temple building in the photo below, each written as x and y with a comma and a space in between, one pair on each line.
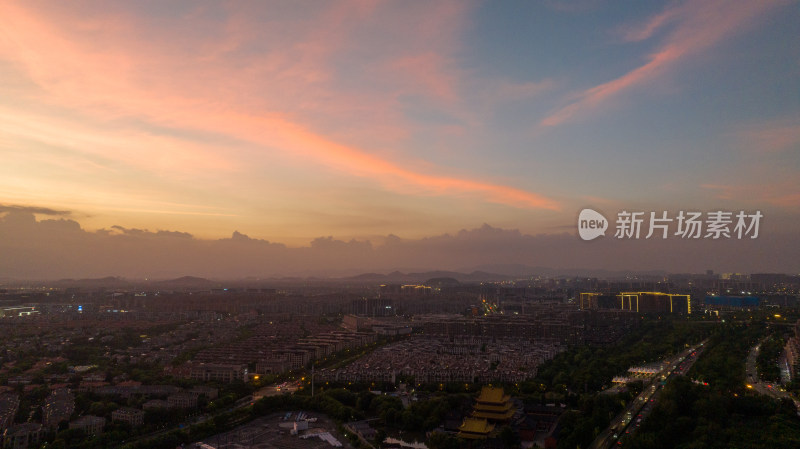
494, 405
475, 429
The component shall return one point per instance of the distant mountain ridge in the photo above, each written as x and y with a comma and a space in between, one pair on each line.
399, 277
187, 280
483, 273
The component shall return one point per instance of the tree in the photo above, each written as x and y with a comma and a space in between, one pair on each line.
380, 436
439, 440
509, 438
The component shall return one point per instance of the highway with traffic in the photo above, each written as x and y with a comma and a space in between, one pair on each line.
629, 420
772, 389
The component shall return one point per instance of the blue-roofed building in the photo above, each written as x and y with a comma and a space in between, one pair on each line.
727, 302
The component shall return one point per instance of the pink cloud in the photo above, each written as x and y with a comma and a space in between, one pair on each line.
150, 152
592, 98
698, 26
105, 70
360, 163
773, 136
427, 72
784, 194
646, 30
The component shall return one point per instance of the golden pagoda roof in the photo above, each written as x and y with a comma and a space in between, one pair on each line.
493, 395
475, 428
473, 436
497, 416
492, 408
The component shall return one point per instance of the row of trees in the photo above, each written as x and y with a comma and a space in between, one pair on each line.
590, 368
724, 413
722, 364
577, 375
767, 360
691, 416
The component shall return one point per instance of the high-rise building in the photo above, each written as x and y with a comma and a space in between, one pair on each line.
643, 302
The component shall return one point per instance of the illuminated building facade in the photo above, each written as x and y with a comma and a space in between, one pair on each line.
475, 429
643, 302
716, 302
494, 405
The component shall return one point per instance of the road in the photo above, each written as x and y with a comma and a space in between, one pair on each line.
637, 411
772, 389
629, 420
271, 390
277, 389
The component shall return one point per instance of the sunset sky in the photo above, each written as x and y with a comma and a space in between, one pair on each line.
288, 121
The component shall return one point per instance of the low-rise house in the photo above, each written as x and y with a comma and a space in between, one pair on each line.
182, 400
22, 435
155, 404
132, 416
91, 425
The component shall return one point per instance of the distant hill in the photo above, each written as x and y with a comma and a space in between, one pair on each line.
522, 271
483, 273
369, 276
397, 277
185, 280
442, 282
186, 283
106, 282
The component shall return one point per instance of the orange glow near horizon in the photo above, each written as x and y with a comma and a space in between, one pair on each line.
361, 119
151, 113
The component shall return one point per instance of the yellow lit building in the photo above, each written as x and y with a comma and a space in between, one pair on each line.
655, 302
475, 429
589, 300
644, 302
493, 404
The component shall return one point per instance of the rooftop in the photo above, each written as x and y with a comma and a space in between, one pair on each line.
493, 395
476, 426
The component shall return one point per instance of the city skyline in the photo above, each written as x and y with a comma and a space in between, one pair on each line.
340, 129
